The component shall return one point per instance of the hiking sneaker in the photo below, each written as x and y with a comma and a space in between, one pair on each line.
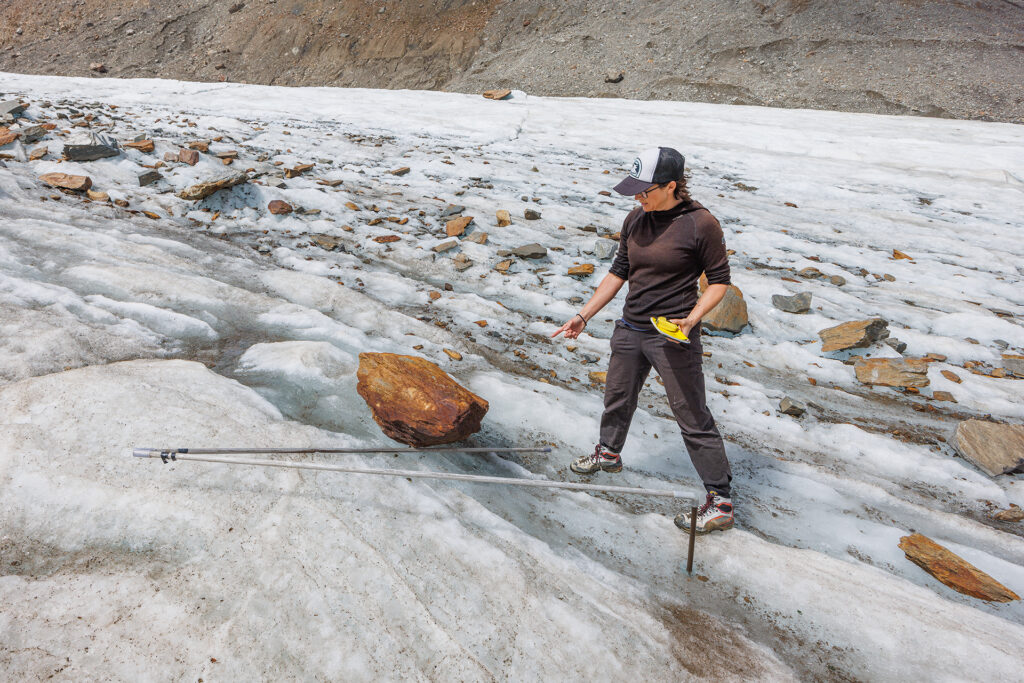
599, 460
714, 515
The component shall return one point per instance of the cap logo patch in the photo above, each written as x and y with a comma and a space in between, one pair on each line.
637, 167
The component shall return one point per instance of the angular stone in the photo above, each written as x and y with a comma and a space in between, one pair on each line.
445, 246
148, 178
504, 218
170, 156
12, 107
205, 189
531, 251
531, 215
856, 334
97, 196
478, 238
453, 354
199, 145
497, 94
279, 207
298, 170
798, 303
995, 448
597, 377
30, 134
1013, 514
892, 372
90, 147
895, 344
77, 183
730, 315
400, 171
953, 570
7, 138
326, 241
457, 226
503, 266
188, 156
146, 146
1014, 364
451, 210
461, 262
415, 402
614, 76
810, 273
790, 407
584, 269
951, 376
605, 249
37, 154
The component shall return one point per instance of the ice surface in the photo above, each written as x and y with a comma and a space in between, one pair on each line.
240, 331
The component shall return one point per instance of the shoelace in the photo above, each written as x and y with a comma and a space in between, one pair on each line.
707, 504
596, 457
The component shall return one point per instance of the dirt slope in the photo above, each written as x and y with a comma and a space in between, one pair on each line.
930, 57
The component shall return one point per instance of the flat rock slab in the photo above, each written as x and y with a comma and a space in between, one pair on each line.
457, 226
953, 570
857, 334
78, 183
994, 448
205, 189
1014, 364
798, 303
531, 251
893, 372
90, 147
415, 402
497, 94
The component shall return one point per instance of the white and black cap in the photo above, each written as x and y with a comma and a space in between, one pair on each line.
653, 167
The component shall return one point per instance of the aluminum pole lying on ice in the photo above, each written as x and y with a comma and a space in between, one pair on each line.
193, 454
432, 449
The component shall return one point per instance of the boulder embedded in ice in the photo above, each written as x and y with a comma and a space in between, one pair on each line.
78, 183
90, 147
415, 402
790, 407
605, 249
730, 315
497, 94
995, 448
953, 570
279, 207
207, 188
531, 251
893, 372
504, 218
798, 303
856, 334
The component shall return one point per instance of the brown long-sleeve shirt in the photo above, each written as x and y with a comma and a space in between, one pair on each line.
662, 254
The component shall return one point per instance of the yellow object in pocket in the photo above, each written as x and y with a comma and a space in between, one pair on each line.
670, 330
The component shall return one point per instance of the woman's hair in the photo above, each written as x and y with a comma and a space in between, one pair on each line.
682, 192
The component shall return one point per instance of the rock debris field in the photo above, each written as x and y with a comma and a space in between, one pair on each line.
194, 265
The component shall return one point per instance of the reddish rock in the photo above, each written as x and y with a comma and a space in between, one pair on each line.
995, 448
893, 372
385, 239
78, 183
189, 156
279, 207
857, 334
953, 570
7, 138
146, 146
457, 226
415, 402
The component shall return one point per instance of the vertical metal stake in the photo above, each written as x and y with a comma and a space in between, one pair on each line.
693, 537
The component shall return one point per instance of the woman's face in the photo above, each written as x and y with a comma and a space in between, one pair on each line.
657, 197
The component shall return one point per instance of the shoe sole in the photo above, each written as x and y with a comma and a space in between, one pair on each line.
708, 528
612, 470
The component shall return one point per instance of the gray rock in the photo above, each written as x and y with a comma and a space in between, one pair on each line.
614, 76
451, 210
276, 182
531, 251
1014, 363
896, 344
148, 178
798, 303
605, 249
30, 134
790, 407
12, 107
531, 215
587, 358
90, 147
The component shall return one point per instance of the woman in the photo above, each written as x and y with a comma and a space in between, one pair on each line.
665, 245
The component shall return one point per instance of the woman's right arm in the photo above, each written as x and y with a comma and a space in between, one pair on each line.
606, 291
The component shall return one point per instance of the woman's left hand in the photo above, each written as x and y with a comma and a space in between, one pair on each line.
683, 324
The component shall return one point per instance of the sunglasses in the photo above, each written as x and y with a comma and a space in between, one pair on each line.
651, 189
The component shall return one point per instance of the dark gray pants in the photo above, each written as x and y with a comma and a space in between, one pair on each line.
679, 365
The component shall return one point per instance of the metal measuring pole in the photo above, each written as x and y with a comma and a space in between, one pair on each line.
200, 455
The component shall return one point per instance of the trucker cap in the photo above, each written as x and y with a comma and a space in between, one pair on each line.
653, 166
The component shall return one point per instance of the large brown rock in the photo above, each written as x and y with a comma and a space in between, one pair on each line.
204, 190
953, 570
857, 334
78, 183
730, 315
893, 372
415, 402
994, 448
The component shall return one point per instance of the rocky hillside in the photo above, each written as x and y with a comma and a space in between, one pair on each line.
928, 57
